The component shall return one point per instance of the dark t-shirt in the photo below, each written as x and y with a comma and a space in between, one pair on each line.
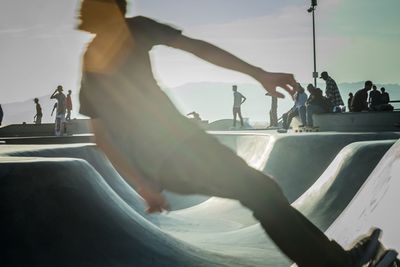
359, 102
38, 110
141, 119
385, 98
375, 97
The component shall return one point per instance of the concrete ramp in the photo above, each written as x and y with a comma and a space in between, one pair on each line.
376, 204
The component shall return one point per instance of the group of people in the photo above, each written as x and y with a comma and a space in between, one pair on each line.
63, 108
366, 100
315, 103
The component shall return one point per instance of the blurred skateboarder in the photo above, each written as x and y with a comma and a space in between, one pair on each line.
161, 149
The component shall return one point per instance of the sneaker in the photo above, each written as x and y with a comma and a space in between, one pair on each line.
364, 250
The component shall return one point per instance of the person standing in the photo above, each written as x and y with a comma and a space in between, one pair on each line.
1, 115
119, 87
360, 99
332, 92
349, 100
68, 105
273, 112
38, 117
238, 100
60, 125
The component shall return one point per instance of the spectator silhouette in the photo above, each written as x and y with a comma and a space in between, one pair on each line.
60, 125
316, 104
238, 100
37, 119
273, 112
196, 116
385, 98
68, 105
332, 92
1, 115
349, 101
117, 73
374, 99
299, 108
359, 102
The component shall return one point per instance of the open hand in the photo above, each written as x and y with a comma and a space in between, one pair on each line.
271, 80
156, 202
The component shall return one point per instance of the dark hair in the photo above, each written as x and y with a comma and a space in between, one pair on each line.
368, 83
383, 89
122, 5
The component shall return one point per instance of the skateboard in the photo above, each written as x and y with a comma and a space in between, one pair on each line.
306, 129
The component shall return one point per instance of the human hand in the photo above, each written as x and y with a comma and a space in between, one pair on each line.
270, 81
156, 202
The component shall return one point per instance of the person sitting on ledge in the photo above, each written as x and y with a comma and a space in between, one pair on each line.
316, 104
374, 99
385, 98
360, 98
299, 108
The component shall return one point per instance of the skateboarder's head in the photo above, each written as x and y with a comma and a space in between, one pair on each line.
234, 88
36, 100
59, 89
69, 92
324, 75
94, 14
368, 85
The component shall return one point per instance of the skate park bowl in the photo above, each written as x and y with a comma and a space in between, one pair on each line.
65, 205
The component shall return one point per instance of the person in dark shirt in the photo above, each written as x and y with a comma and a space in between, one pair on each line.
156, 148
385, 98
384, 101
1, 115
360, 99
349, 101
68, 105
316, 104
374, 99
38, 116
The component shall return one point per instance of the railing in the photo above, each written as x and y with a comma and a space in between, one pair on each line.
395, 101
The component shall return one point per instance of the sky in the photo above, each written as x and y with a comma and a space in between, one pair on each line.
356, 40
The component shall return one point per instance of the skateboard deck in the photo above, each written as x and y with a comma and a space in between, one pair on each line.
306, 129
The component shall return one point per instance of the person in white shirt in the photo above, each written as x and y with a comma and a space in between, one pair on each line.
238, 100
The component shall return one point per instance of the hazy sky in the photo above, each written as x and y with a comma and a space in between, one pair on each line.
356, 40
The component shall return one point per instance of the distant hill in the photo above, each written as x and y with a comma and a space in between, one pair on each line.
212, 100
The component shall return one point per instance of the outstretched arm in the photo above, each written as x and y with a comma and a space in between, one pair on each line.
269, 80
